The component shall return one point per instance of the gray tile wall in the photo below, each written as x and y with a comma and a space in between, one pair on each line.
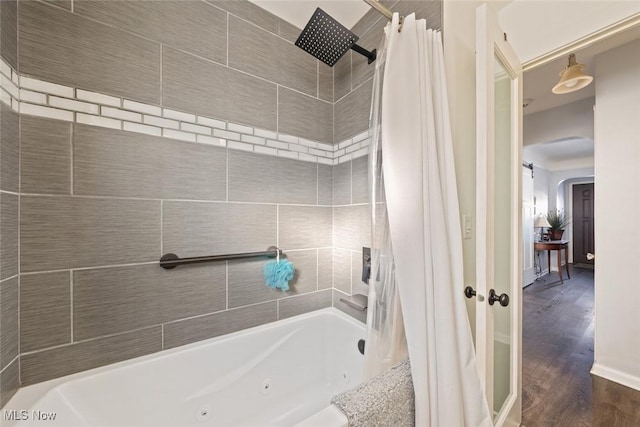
351, 231
60, 361
45, 156
9, 32
107, 161
98, 207
257, 178
9, 148
45, 310
9, 203
8, 321
9, 232
9, 381
225, 59
66, 48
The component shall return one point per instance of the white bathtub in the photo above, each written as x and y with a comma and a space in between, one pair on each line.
278, 374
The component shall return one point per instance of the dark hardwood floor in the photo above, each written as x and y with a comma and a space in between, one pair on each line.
557, 354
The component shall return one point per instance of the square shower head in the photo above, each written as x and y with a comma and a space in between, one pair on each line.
325, 38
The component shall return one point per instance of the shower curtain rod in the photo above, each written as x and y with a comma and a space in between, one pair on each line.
383, 10
169, 261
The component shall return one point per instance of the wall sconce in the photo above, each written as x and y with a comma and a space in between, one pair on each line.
572, 78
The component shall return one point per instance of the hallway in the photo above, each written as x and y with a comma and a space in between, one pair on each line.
558, 325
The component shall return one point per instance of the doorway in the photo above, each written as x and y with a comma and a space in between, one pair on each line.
583, 224
558, 319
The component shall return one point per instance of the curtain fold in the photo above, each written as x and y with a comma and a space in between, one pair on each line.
423, 230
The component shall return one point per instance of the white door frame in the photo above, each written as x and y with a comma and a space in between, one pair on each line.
492, 42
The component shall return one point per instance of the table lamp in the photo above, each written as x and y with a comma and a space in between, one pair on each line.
541, 222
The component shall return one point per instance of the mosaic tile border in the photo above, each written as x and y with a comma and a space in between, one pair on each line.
40, 98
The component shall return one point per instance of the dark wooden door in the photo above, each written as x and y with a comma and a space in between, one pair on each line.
583, 222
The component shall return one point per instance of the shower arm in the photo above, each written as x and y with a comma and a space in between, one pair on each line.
371, 56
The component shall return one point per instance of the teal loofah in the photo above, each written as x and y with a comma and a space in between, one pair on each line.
278, 274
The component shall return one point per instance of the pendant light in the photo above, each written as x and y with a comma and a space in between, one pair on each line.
572, 78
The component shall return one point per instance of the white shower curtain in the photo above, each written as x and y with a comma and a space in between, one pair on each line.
424, 228
386, 341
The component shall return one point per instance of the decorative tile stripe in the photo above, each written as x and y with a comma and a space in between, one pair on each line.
39, 98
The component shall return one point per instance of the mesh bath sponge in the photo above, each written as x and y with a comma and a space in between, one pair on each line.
278, 274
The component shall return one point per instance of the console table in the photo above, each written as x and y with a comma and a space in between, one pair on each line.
555, 245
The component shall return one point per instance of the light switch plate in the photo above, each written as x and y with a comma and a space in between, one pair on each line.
467, 227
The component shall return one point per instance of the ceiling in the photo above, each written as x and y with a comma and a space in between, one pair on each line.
298, 12
567, 149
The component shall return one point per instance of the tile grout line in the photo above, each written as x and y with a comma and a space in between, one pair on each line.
232, 202
226, 171
227, 62
107, 336
161, 228
19, 257
350, 182
160, 72
97, 267
71, 158
71, 302
17, 357
278, 226
317, 79
226, 284
6, 279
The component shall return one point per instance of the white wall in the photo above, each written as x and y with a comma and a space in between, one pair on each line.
459, 24
568, 121
617, 232
557, 192
536, 27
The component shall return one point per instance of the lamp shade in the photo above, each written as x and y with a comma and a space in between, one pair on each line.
572, 78
541, 222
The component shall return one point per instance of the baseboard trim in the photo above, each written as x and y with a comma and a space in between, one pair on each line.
616, 376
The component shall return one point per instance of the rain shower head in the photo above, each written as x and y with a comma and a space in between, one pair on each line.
328, 40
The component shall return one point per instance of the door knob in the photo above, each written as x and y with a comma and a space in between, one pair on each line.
469, 292
503, 299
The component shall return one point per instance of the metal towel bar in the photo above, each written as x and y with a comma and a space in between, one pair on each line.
170, 260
